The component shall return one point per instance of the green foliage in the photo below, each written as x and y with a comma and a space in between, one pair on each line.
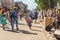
37, 8
43, 4
58, 1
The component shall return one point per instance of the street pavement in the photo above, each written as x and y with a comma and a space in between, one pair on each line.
24, 32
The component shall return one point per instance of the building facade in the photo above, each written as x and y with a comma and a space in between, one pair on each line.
21, 5
8, 3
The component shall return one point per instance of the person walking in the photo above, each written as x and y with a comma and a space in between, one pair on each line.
32, 15
3, 18
36, 16
28, 19
14, 19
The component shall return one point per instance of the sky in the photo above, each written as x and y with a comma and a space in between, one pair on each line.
31, 3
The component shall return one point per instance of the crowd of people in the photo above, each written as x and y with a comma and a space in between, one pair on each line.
54, 25
12, 16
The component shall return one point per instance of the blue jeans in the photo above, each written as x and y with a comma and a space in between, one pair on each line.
14, 20
29, 24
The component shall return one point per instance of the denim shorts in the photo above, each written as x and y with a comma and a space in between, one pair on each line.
29, 24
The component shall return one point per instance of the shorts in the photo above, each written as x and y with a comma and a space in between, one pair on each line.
29, 24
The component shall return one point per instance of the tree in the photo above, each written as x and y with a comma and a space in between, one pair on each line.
58, 1
43, 4
46, 4
37, 8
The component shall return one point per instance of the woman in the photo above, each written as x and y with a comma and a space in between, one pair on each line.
3, 19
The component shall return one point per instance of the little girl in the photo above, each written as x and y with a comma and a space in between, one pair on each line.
28, 20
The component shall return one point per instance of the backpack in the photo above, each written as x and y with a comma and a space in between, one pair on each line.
14, 14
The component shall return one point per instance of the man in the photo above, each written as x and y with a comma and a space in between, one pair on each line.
36, 16
32, 15
14, 18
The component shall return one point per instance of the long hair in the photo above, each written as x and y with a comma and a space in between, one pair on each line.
3, 11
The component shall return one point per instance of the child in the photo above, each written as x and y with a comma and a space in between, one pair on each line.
28, 20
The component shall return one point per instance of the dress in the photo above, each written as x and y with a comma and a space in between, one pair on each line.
0, 19
4, 20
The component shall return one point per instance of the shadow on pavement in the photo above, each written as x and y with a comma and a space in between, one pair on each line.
27, 32
12, 31
32, 26
5, 27
22, 31
37, 26
22, 24
36, 30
